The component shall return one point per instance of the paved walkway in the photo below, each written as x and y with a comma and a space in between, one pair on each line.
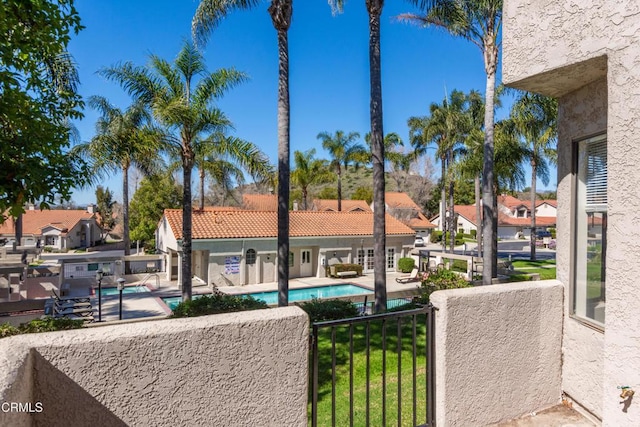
558, 416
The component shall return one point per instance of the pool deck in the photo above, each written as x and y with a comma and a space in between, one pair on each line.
149, 304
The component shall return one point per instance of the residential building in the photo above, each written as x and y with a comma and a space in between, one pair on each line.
514, 217
238, 247
402, 207
331, 205
587, 55
58, 228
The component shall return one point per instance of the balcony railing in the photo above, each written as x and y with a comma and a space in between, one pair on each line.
374, 370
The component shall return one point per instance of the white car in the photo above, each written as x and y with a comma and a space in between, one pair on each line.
419, 242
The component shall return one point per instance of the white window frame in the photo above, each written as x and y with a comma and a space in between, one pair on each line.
588, 255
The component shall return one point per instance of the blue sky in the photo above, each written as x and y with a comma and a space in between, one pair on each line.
329, 66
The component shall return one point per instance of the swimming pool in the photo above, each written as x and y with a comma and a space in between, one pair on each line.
303, 294
127, 290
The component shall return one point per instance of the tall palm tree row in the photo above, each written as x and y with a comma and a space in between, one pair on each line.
344, 150
478, 21
535, 118
181, 97
309, 171
208, 15
123, 139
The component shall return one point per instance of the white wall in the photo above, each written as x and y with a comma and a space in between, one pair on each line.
498, 351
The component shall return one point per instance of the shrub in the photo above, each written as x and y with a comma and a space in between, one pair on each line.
46, 324
458, 239
6, 330
217, 303
474, 234
553, 232
328, 309
406, 264
49, 324
443, 279
436, 236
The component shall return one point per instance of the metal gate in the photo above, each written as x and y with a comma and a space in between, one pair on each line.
374, 370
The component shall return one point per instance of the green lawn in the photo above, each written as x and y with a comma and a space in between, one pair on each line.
545, 268
376, 362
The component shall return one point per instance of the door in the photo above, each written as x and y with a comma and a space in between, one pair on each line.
306, 266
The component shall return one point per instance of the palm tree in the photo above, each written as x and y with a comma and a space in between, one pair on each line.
344, 150
122, 140
374, 9
223, 157
309, 171
535, 118
184, 108
479, 22
208, 15
446, 127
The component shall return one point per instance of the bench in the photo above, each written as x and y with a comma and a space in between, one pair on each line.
346, 273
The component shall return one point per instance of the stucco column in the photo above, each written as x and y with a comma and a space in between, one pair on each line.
168, 258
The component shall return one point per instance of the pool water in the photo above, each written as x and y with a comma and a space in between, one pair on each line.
303, 294
127, 290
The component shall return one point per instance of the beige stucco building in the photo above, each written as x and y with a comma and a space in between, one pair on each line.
587, 54
239, 247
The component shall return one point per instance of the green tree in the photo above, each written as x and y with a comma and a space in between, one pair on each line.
104, 206
155, 194
328, 193
223, 159
344, 150
363, 193
208, 15
185, 109
479, 22
122, 140
446, 126
38, 97
535, 118
309, 171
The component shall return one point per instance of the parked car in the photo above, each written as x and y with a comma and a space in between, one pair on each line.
542, 234
419, 242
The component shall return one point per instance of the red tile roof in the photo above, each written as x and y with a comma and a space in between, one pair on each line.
210, 224
469, 212
347, 205
396, 200
420, 222
33, 221
260, 202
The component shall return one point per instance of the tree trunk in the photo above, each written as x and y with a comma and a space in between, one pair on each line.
339, 189
532, 237
489, 200
443, 204
280, 12
374, 7
187, 214
201, 176
452, 215
125, 211
478, 216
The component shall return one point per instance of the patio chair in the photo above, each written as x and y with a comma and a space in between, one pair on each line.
413, 277
59, 298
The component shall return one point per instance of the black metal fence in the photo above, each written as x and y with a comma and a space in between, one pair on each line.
374, 370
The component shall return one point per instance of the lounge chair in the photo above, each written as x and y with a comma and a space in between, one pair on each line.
57, 297
413, 277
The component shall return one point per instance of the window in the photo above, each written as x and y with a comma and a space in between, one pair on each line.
290, 259
370, 259
391, 258
251, 256
361, 257
589, 257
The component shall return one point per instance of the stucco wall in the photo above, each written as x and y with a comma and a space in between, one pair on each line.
556, 47
497, 351
242, 369
581, 113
